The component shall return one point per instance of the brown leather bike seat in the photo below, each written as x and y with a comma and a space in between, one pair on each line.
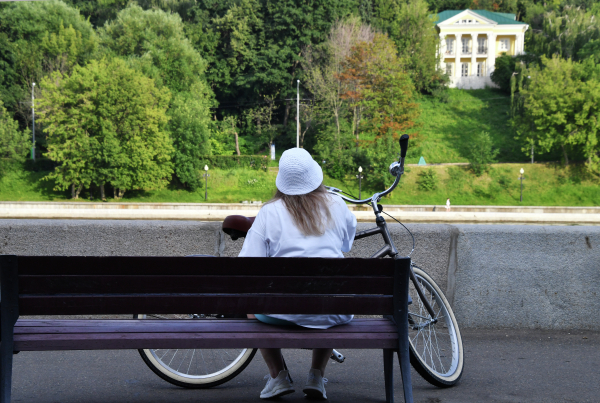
237, 226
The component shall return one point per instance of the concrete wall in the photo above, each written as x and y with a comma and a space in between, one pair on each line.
471, 83
513, 276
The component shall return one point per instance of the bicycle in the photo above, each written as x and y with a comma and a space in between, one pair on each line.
436, 350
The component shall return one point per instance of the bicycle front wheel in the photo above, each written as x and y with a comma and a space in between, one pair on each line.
197, 368
436, 350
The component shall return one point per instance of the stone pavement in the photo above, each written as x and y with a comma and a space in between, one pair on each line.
500, 366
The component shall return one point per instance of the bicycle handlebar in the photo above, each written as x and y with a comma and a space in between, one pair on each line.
396, 169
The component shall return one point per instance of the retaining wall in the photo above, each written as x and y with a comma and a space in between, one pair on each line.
514, 276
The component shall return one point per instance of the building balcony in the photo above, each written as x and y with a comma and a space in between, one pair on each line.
449, 53
482, 50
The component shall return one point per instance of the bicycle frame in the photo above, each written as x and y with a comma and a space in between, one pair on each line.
389, 249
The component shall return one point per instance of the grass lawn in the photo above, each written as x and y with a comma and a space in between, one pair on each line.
544, 185
447, 128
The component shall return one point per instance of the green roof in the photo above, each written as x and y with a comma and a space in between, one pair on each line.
500, 18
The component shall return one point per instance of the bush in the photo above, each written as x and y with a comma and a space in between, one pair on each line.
481, 153
428, 180
235, 161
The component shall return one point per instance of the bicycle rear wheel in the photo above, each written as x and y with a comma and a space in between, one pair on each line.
197, 368
436, 350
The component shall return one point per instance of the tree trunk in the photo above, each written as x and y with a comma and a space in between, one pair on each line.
75, 193
565, 155
121, 193
102, 193
116, 193
237, 144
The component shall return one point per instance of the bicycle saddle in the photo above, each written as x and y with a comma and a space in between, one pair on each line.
237, 226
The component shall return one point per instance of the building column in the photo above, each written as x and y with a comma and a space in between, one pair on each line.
491, 58
473, 54
443, 52
457, 53
521, 48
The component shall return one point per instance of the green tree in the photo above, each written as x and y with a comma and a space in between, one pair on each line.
105, 125
154, 43
190, 130
381, 93
590, 50
13, 142
503, 71
561, 32
37, 38
481, 153
560, 108
409, 25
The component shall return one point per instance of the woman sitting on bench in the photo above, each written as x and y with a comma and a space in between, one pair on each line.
302, 220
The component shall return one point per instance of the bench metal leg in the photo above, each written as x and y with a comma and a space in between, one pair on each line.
404, 360
388, 371
9, 313
401, 280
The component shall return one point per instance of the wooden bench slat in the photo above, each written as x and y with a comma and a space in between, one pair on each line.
159, 265
110, 341
130, 284
194, 326
108, 322
218, 303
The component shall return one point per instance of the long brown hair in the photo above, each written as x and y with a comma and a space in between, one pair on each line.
310, 211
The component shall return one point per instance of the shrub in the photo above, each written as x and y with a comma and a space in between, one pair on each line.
428, 180
481, 153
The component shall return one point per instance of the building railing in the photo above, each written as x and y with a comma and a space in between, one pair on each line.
482, 50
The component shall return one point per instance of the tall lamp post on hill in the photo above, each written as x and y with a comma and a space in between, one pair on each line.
206, 175
521, 179
360, 178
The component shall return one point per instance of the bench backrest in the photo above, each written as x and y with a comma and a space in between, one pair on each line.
56, 285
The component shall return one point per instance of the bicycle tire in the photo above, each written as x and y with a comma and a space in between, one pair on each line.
233, 361
431, 342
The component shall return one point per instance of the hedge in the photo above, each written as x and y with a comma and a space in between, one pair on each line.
236, 161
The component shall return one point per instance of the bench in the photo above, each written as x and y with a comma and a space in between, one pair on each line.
54, 285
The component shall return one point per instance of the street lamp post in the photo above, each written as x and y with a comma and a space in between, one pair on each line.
33, 124
521, 178
206, 175
298, 114
359, 177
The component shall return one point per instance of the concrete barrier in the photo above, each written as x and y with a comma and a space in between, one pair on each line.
514, 276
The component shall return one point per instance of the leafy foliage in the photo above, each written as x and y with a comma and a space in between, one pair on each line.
409, 25
155, 44
13, 142
482, 153
560, 106
105, 124
428, 180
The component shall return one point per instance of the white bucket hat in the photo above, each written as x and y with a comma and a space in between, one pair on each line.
298, 173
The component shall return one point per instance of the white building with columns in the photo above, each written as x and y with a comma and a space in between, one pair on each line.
472, 39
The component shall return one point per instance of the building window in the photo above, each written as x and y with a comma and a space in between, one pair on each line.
449, 46
465, 45
464, 70
449, 69
480, 71
504, 45
481, 46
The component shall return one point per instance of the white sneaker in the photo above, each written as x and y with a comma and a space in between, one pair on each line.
277, 386
315, 385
